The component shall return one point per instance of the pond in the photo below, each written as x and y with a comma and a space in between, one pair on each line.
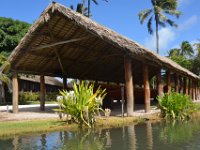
146, 136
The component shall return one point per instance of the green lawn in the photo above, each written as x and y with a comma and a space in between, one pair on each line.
42, 126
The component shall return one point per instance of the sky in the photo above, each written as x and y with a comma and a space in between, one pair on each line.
122, 17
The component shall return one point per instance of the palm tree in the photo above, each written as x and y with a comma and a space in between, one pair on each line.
186, 49
160, 9
83, 6
173, 52
79, 9
89, 6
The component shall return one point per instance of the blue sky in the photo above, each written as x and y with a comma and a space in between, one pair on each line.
121, 16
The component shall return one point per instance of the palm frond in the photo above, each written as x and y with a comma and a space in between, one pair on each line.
173, 12
162, 17
171, 23
95, 1
143, 15
161, 23
153, 2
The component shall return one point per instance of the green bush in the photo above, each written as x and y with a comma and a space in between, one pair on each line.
51, 96
25, 97
82, 103
176, 106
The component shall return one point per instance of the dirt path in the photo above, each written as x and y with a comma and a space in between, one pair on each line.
28, 112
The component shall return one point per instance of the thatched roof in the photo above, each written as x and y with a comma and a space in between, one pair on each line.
97, 53
48, 80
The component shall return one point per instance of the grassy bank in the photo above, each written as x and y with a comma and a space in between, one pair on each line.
42, 126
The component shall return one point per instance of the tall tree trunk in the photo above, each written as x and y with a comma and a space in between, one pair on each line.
89, 8
157, 36
83, 7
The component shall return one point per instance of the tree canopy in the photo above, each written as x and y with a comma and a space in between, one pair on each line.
11, 32
187, 55
159, 11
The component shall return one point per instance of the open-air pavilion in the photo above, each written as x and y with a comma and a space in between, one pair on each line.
63, 43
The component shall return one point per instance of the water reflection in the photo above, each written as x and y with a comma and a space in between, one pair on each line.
146, 136
149, 135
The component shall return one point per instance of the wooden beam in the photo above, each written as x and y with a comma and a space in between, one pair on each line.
168, 78
15, 94
129, 85
146, 88
187, 86
42, 93
159, 83
58, 43
56, 51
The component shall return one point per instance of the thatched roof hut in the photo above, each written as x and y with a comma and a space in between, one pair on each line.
63, 42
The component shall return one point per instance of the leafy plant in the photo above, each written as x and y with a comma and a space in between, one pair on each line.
82, 103
176, 106
25, 97
28, 97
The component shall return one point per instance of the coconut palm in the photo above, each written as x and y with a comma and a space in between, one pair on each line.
160, 9
186, 49
79, 9
89, 6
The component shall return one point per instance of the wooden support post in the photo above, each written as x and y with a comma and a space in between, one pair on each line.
184, 85
159, 83
129, 85
168, 76
189, 87
176, 83
181, 84
42, 93
146, 88
192, 90
15, 94
64, 83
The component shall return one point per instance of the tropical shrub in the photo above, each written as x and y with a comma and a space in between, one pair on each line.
176, 106
82, 104
25, 97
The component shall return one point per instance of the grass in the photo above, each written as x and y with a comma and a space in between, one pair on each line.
43, 126
33, 126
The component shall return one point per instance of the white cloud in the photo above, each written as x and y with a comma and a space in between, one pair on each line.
166, 36
188, 23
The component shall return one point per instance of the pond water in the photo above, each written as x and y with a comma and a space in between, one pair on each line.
145, 136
